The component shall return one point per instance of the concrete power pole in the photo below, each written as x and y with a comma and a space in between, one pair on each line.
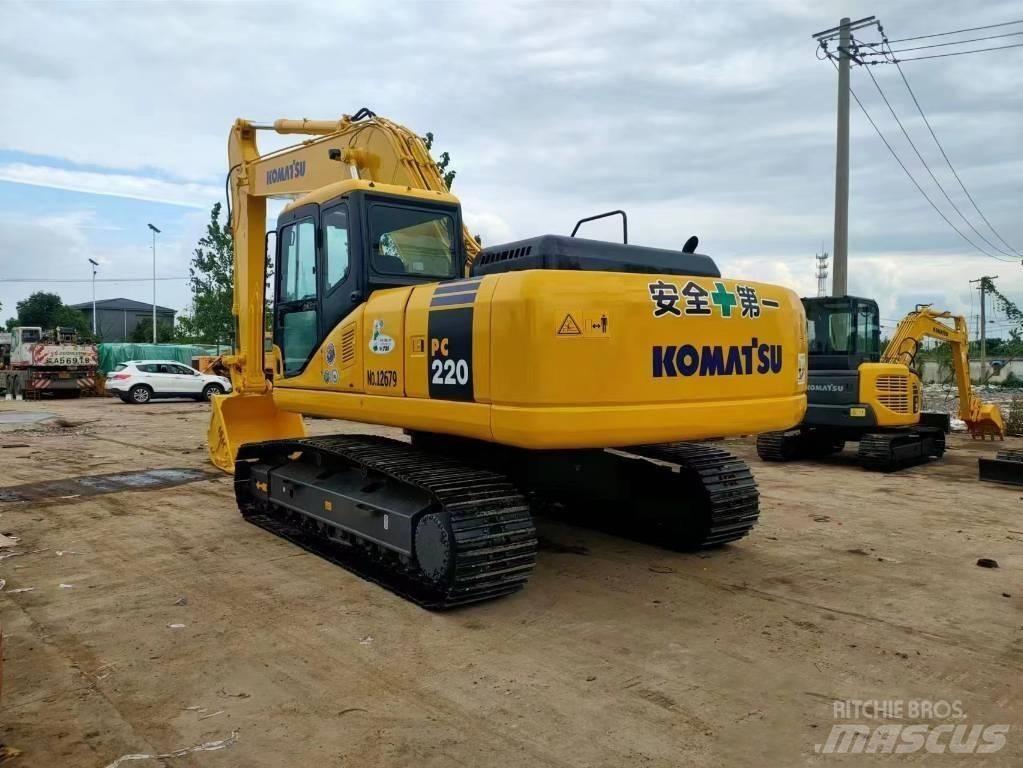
840, 266
840, 252
983, 323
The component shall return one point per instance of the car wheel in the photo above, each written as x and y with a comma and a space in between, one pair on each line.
210, 390
140, 395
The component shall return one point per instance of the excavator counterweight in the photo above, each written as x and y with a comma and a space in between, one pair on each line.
555, 372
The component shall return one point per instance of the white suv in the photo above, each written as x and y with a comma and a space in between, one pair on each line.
139, 381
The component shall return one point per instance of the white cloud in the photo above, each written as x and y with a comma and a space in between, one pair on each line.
188, 194
695, 118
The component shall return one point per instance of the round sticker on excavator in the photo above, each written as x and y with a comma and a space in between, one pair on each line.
380, 343
331, 354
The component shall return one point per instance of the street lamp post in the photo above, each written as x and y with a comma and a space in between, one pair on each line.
94, 265
155, 233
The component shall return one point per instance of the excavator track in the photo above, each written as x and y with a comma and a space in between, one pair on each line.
476, 540
793, 445
681, 496
778, 446
726, 503
892, 451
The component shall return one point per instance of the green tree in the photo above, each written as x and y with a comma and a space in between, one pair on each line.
48, 310
445, 161
143, 332
212, 283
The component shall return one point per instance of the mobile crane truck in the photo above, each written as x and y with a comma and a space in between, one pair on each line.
551, 369
858, 393
42, 362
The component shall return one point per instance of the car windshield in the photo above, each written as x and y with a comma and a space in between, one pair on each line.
120, 367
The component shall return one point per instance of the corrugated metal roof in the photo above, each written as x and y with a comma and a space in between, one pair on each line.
122, 305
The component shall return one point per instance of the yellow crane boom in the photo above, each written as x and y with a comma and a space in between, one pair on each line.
925, 323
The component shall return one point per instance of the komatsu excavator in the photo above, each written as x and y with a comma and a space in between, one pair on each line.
556, 370
857, 393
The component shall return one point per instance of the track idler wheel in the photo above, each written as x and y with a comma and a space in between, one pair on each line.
435, 547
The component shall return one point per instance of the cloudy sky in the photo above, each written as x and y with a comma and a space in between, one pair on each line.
713, 118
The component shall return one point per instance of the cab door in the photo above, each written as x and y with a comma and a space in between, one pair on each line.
340, 287
297, 306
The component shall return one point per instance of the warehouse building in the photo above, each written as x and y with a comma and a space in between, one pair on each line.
117, 318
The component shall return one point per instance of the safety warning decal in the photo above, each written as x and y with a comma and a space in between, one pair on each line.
569, 327
592, 324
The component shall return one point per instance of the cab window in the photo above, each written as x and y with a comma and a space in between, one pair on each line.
412, 241
337, 256
298, 261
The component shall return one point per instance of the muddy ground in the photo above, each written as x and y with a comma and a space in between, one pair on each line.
157, 620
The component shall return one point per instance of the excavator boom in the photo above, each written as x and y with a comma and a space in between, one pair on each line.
982, 419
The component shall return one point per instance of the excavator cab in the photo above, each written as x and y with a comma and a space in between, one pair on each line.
348, 240
843, 332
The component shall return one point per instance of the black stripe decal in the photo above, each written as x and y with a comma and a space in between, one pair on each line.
461, 285
453, 298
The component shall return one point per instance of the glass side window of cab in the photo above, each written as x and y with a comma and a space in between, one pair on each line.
337, 256
298, 325
298, 261
412, 241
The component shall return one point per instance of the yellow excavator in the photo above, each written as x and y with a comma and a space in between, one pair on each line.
856, 393
555, 371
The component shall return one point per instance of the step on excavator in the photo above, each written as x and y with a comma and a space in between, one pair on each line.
555, 371
858, 393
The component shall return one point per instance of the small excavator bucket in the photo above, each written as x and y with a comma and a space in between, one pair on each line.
986, 420
240, 419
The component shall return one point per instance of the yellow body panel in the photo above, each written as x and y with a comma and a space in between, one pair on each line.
560, 359
893, 392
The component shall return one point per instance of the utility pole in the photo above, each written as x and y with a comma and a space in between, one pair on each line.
840, 265
94, 265
822, 273
984, 282
155, 233
840, 273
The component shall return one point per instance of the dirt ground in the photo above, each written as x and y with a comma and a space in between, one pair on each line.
158, 620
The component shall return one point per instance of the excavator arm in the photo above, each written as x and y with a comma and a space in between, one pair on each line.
926, 323
360, 146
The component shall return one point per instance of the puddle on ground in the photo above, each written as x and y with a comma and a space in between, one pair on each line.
24, 417
95, 485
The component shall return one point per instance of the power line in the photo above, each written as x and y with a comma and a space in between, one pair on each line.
955, 42
87, 280
962, 53
935, 178
950, 166
957, 31
912, 178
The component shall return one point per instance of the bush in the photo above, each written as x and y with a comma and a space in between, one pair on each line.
1014, 417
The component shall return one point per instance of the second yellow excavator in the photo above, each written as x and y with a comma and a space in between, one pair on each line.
555, 370
858, 393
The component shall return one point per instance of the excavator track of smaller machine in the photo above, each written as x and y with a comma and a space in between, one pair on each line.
472, 539
892, 451
795, 444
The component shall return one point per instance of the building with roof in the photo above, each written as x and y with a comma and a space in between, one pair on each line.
117, 318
